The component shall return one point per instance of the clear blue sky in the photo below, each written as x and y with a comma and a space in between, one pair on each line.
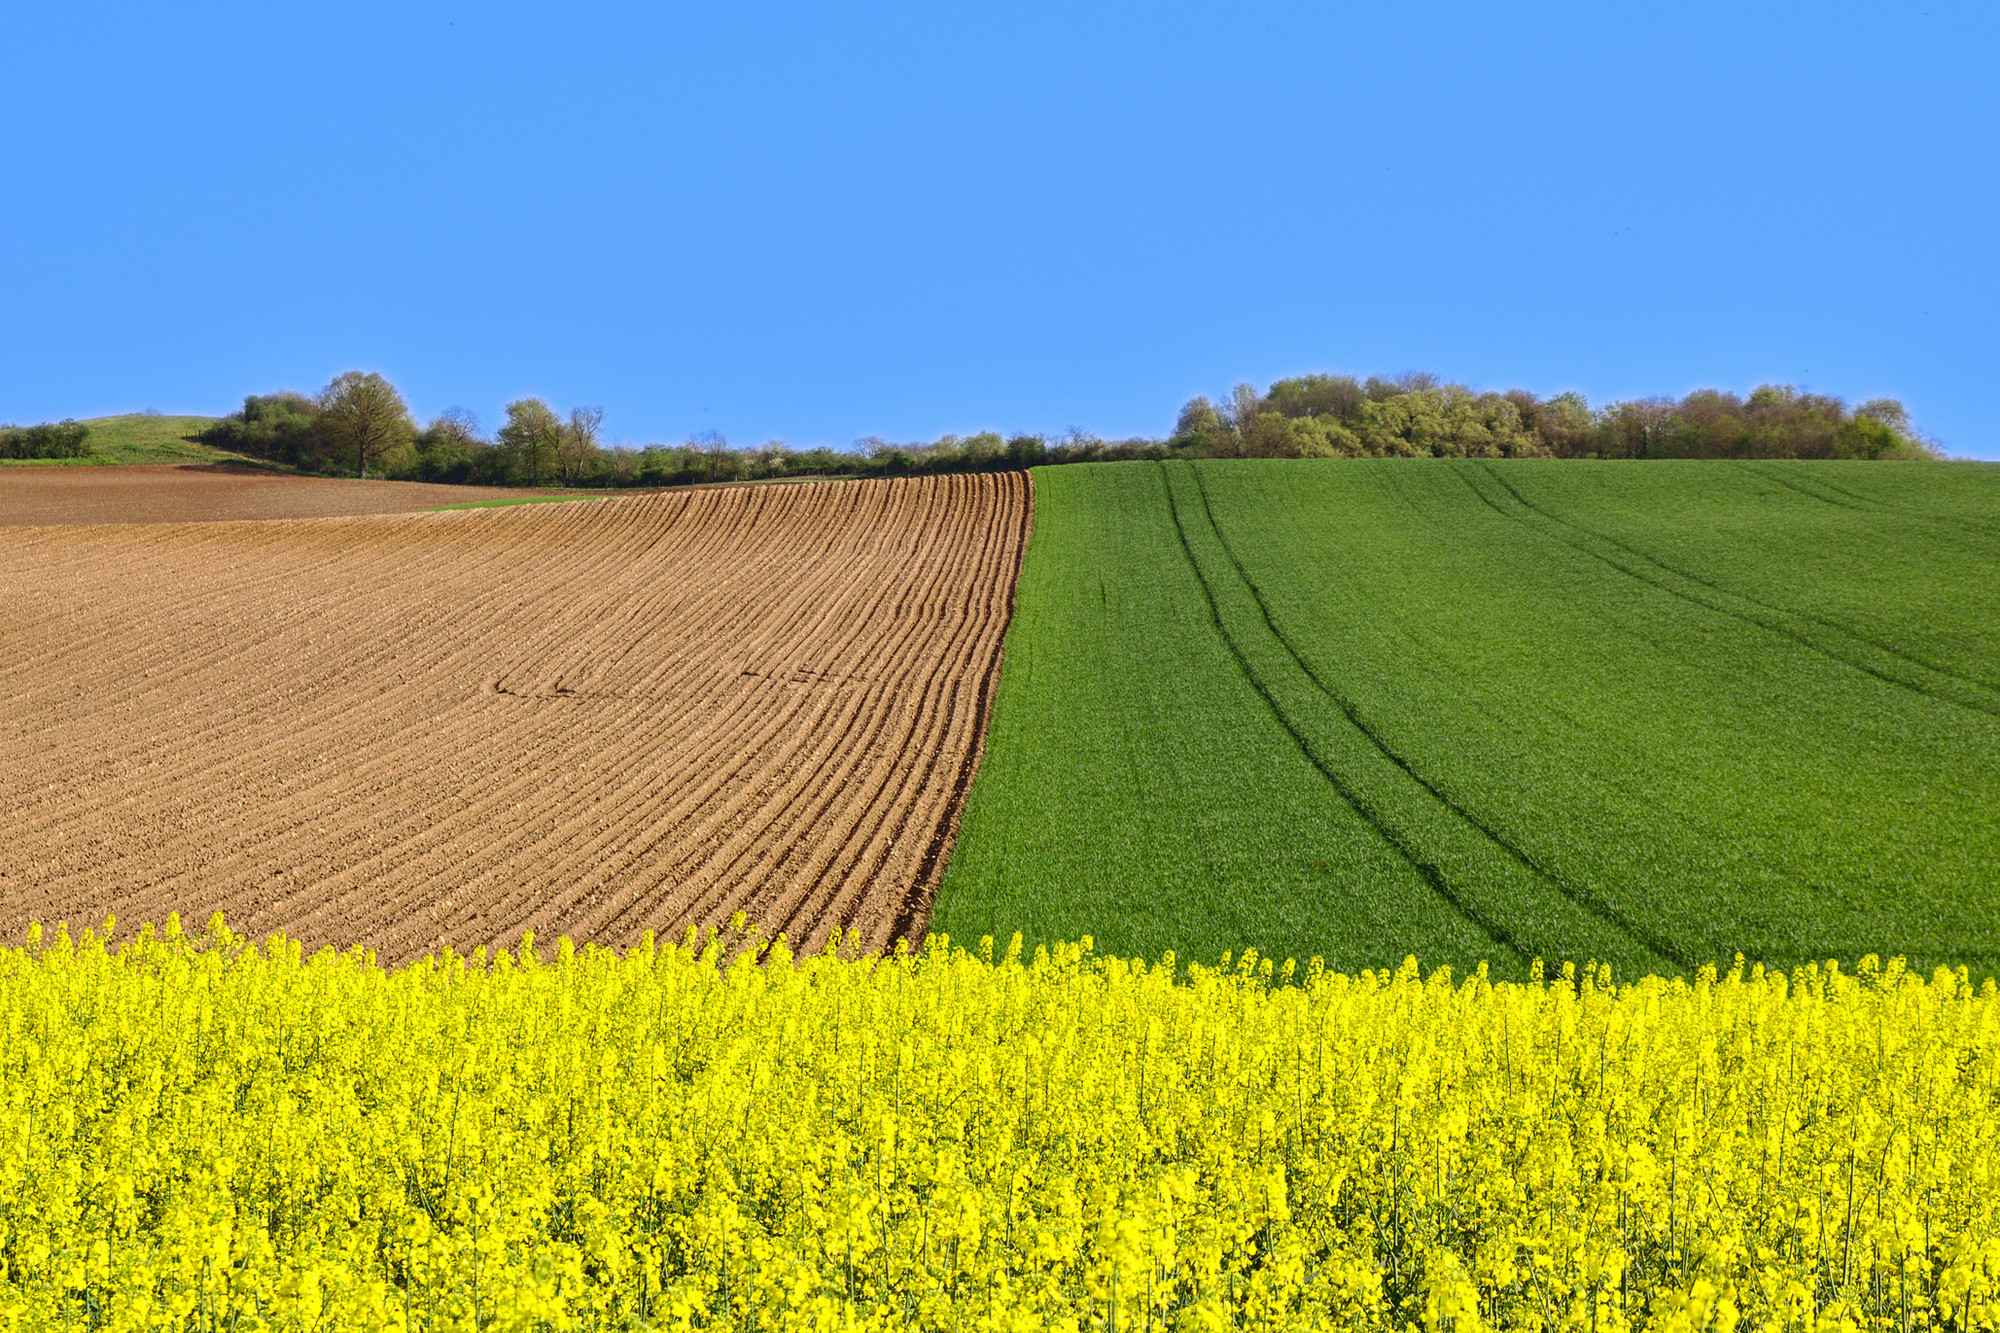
821, 222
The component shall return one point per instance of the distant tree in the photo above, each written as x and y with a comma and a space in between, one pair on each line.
890, 459
458, 425
1244, 405
1638, 428
1077, 445
1316, 396
278, 426
64, 439
1412, 415
273, 406
1567, 426
363, 415
1865, 437
1909, 442
452, 449
1269, 435
717, 457
1326, 436
578, 446
1890, 413
532, 439
1029, 450
773, 459
1201, 429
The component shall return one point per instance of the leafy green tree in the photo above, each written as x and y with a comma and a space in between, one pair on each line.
1890, 413
532, 438
1243, 406
277, 426
361, 414
450, 449
1637, 429
1566, 425
1200, 429
1027, 451
1326, 437
1338, 396
772, 459
1866, 437
717, 457
1268, 435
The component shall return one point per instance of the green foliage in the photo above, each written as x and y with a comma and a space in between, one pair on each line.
64, 439
357, 420
361, 416
450, 450
531, 440
1419, 416
1499, 710
276, 426
1416, 415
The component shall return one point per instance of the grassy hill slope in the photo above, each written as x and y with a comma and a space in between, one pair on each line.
142, 438
1652, 714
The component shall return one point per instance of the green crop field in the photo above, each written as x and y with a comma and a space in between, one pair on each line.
1653, 714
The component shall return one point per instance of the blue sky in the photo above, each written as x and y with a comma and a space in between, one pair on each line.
816, 223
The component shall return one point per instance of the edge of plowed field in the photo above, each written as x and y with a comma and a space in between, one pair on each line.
913, 923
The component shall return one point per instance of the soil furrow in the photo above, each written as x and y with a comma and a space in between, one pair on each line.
591, 719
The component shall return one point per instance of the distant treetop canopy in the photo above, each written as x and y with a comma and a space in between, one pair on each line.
1417, 415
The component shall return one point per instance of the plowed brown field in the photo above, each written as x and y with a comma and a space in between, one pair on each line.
590, 719
211, 492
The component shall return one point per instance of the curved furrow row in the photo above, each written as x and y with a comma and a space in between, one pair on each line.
752, 808
771, 895
595, 718
734, 817
202, 750
953, 733
354, 771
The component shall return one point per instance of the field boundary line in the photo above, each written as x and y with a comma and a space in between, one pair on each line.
914, 918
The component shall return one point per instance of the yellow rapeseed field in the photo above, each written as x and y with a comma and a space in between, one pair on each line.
201, 1134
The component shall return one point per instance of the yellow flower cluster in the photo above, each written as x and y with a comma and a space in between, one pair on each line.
201, 1134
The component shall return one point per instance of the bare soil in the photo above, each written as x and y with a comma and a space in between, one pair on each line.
591, 719
211, 492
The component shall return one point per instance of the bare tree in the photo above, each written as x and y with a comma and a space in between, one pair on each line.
1244, 405
579, 442
711, 445
364, 413
459, 425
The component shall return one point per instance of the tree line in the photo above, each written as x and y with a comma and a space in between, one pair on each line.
1420, 416
359, 425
